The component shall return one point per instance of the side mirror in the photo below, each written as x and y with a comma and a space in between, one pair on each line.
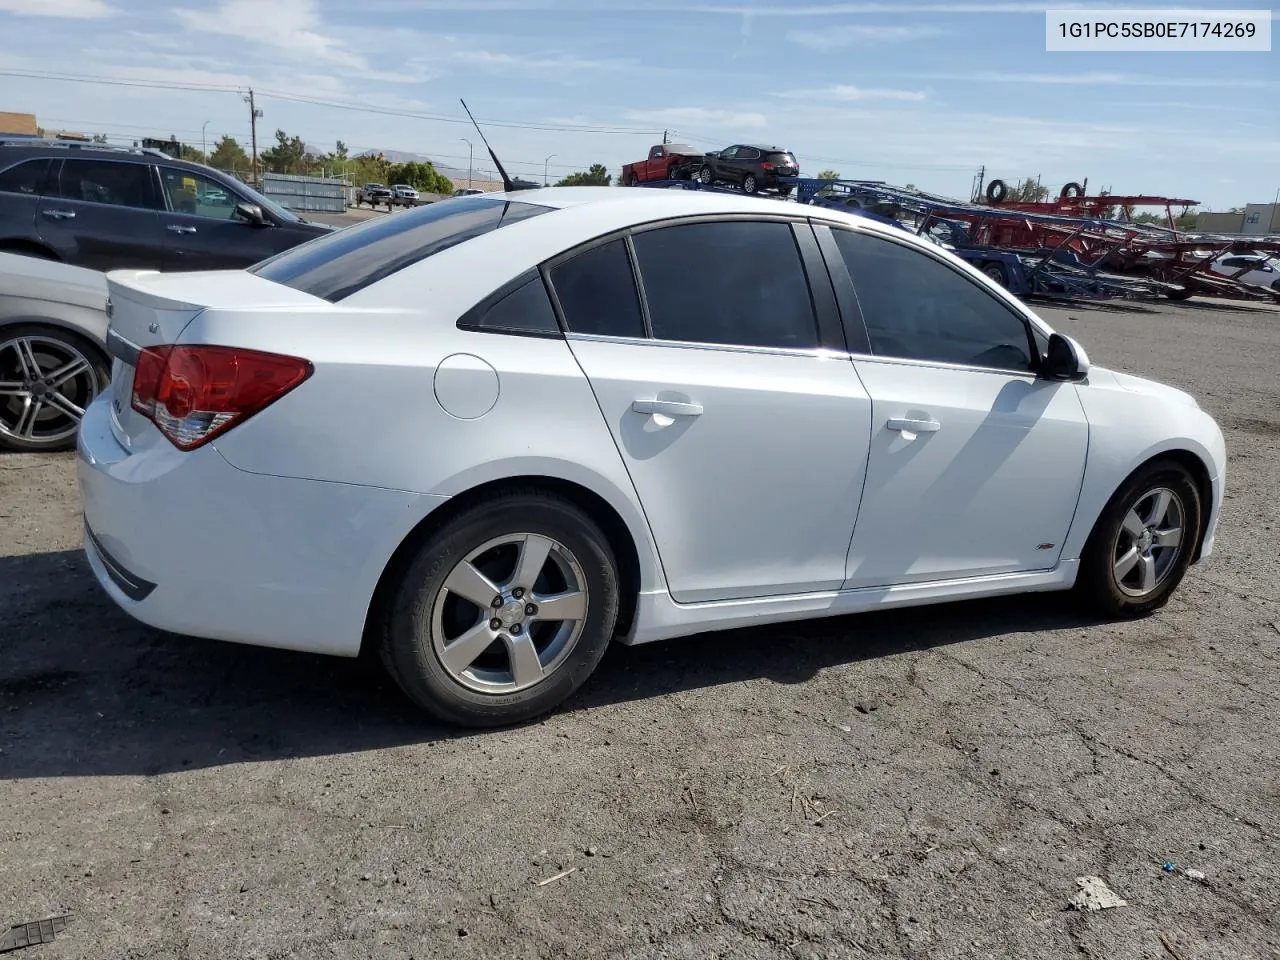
252, 213
1064, 360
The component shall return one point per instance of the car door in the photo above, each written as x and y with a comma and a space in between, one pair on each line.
723, 164
975, 463
747, 161
21, 186
101, 213
731, 399
653, 165
202, 228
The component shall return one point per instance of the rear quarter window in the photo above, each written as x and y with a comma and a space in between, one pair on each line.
340, 264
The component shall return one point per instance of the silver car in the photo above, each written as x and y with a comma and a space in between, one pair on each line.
53, 357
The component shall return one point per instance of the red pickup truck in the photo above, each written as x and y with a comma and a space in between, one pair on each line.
666, 161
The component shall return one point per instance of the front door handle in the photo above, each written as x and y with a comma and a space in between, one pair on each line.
179, 228
914, 426
667, 408
60, 214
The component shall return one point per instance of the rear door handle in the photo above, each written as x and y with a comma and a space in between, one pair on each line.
60, 214
179, 228
914, 426
667, 408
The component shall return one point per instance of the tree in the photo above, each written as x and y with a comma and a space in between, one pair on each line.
1029, 191
289, 155
828, 174
422, 176
596, 176
371, 168
910, 186
99, 138
228, 155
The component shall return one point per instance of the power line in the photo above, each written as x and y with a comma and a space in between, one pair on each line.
322, 102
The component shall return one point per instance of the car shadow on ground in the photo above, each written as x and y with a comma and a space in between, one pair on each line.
85, 691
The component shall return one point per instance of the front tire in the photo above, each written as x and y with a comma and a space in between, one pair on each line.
1143, 542
48, 378
504, 612
704, 176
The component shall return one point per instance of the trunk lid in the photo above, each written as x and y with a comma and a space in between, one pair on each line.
146, 308
783, 163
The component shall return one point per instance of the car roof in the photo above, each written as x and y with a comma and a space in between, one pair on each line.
57, 151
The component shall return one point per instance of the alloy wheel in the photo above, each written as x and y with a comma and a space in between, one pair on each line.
1149, 542
45, 385
509, 614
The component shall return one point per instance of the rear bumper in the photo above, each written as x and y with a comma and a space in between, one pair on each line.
191, 544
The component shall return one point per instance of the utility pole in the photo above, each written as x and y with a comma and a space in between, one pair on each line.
254, 114
664, 137
471, 151
204, 147
981, 180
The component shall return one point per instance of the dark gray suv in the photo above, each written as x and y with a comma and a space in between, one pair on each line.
113, 207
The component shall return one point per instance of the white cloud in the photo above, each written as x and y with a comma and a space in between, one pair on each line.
833, 38
678, 117
845, 93
490, 58
292, 26
1092, 79
71, 9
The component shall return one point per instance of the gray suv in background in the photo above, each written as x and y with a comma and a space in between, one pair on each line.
103, 207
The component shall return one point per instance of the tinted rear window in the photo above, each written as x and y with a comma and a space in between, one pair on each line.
781, 158
340, 264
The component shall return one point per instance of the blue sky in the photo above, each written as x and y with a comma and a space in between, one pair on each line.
900, 91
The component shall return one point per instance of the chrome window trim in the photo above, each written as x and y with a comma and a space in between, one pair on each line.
816, 352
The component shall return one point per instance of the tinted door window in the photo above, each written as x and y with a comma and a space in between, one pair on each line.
737, 282
197, 195
118, 184
345, 262
526, 309
918, 308
748, 153
597, 292
27, 177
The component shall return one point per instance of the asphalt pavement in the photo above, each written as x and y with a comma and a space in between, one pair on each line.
923, 783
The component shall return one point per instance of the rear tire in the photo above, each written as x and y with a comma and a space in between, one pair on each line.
487, 661
750, 185
1130, 566
996, 272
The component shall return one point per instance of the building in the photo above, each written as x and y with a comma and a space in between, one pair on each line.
1261, 219
1257, 220
23, 124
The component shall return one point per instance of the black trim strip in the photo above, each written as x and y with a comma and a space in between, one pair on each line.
133, 587
855, 328
830, 331
122, 349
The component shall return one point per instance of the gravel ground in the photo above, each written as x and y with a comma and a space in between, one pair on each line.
926, 783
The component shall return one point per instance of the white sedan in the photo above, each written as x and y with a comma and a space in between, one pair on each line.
1256, 269
490, 435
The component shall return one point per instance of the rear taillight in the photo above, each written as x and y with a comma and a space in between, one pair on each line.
766, 165
194, 393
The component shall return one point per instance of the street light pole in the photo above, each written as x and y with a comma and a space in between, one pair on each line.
204, 148
470, 155
544, 169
